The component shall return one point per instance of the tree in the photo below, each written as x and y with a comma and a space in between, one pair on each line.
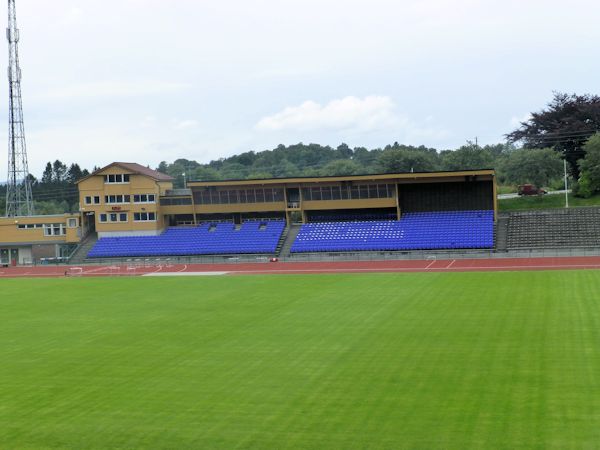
589, 182
47, 176
344, 152
203, 173
396, 160
59, 171
32, 180
535, 166
565, 125
340, 167
163, 167
468, 156
74, 173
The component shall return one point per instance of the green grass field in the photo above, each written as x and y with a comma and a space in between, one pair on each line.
420, 361
545, 202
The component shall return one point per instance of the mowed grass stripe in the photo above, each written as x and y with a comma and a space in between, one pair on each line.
438, 360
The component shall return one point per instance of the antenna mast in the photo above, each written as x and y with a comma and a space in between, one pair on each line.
19, 201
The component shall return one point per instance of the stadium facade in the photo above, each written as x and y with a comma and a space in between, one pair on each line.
128, 200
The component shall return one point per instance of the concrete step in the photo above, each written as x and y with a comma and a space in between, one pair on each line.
289, 240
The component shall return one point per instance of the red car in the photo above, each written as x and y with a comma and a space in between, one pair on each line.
530, 189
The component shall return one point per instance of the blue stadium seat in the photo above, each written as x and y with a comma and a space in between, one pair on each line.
415, 231
207, 239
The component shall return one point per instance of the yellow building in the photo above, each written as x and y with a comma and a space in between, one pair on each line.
24, 240
122, 199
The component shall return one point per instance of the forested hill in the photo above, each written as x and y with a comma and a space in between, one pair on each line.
514, 166
56, 192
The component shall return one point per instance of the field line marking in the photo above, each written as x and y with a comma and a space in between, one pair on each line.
417, 269
430, 264
451, 263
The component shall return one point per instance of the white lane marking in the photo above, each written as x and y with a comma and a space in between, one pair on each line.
430, 264
451, 263
182, 274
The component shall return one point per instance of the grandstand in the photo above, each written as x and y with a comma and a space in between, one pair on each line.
414, 231
253, 237
382, 212
553, 229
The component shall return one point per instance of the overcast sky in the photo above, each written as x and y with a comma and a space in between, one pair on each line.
152, 80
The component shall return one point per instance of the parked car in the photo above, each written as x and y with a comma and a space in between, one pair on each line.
530, 189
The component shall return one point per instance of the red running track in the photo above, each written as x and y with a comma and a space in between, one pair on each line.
450, 265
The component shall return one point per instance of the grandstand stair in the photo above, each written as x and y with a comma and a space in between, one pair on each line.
292, 232
551, 229
501, 234
281, 241
80, 253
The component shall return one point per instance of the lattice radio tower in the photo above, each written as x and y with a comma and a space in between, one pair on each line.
19, 201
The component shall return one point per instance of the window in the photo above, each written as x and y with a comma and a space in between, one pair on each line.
54, 229
144, 217
117, 198
113, 217
72, 223
30, 226
92, 200
260, 195
175, 201
211, 196
144, 198
117, 178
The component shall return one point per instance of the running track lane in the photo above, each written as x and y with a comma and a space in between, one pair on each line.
449, 265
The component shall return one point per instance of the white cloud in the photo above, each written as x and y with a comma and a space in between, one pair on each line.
351, 117
348, 113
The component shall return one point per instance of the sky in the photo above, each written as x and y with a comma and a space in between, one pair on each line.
152, 80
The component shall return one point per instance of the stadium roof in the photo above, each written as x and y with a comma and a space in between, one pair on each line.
365, 177
133, 168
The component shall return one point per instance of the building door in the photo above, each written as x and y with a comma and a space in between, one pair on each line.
89, 222
14, 256
4, 257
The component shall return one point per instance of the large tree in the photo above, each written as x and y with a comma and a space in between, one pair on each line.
565, 125
470, 156
589, 183
537, 166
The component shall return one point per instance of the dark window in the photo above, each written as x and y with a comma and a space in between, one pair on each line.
336, 193
260, 196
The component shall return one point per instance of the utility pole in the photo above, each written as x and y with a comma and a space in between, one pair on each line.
19, 200
566, 185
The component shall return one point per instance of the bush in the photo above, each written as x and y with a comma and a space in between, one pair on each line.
582, 188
